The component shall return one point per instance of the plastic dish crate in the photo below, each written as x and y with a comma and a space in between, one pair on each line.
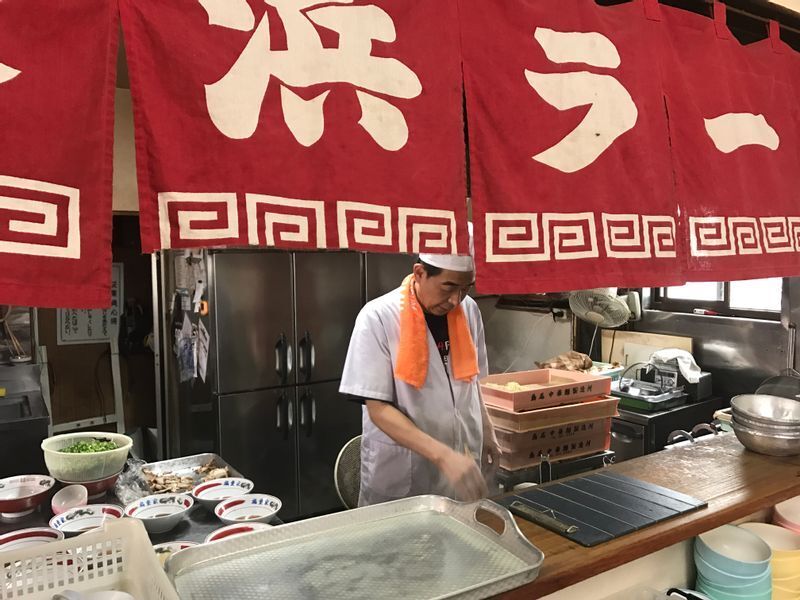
117, 557
522, 450
545, 388
548, 417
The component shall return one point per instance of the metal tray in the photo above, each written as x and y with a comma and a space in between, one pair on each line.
186, 465
423, 548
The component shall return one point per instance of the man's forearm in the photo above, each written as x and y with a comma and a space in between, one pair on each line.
402, 430
488, 427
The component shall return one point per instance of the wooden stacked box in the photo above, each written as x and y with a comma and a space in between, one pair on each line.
547, 413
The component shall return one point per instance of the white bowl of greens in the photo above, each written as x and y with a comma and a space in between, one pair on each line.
86, 456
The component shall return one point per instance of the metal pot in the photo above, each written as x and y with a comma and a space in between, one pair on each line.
770, 410
765, 426
769, 444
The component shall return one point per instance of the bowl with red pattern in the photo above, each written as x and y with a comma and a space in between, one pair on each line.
229, 531
85, 518
211, 493
20, 495
32, 536
260, 508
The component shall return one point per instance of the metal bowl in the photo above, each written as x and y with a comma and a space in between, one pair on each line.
771, 410
772, 427
769, 444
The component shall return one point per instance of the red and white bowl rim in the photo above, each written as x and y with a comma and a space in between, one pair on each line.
40, 485
183, 501
44, 534
201, 490
224, 508
229, 531
109, 511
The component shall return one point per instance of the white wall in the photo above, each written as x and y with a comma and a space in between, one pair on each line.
516, 340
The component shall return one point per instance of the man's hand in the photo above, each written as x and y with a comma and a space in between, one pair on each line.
490, 458
464, 475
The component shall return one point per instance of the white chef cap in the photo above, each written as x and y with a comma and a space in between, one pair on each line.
453, 262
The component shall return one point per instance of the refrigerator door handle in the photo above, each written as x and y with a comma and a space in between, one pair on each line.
308, 411
289, 360
282, 359
306, 357
289, 415
301, 358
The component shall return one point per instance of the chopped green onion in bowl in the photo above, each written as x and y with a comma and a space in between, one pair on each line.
90, 445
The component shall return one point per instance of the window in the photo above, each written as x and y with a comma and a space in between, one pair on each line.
755, 298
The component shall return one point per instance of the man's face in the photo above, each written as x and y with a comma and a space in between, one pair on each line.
439, 294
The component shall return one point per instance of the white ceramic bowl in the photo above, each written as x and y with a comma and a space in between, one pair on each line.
260, 508
161, 512
211, 493
229, 531
33, 536
84, 518
166, 550
87, 466
19, 496
68, 497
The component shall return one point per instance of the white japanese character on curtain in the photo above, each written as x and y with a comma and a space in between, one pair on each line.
234, 102
612, 111
731, 131
7, 73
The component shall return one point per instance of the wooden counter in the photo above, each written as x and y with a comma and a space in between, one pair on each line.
735, 482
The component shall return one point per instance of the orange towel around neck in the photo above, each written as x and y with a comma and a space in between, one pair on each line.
413, 356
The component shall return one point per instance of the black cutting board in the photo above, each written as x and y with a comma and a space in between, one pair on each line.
605, 506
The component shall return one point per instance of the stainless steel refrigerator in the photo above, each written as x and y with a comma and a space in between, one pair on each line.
279, 324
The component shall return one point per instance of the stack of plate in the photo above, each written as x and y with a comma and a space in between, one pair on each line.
787, 515
733, 564
785, 564
767, 424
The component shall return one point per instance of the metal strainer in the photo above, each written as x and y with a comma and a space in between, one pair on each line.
347, 473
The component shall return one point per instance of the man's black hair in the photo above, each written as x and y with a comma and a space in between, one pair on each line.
430, 269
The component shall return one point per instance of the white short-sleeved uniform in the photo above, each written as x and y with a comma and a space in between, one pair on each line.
445, 408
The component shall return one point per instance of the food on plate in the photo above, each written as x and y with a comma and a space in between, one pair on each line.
209, 471
168, 482
90, 445
605, 367
569, 361
511, 386
174, 483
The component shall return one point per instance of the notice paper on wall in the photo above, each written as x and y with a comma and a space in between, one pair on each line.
93, 326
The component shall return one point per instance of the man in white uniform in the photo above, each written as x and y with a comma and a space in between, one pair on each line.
425, 427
